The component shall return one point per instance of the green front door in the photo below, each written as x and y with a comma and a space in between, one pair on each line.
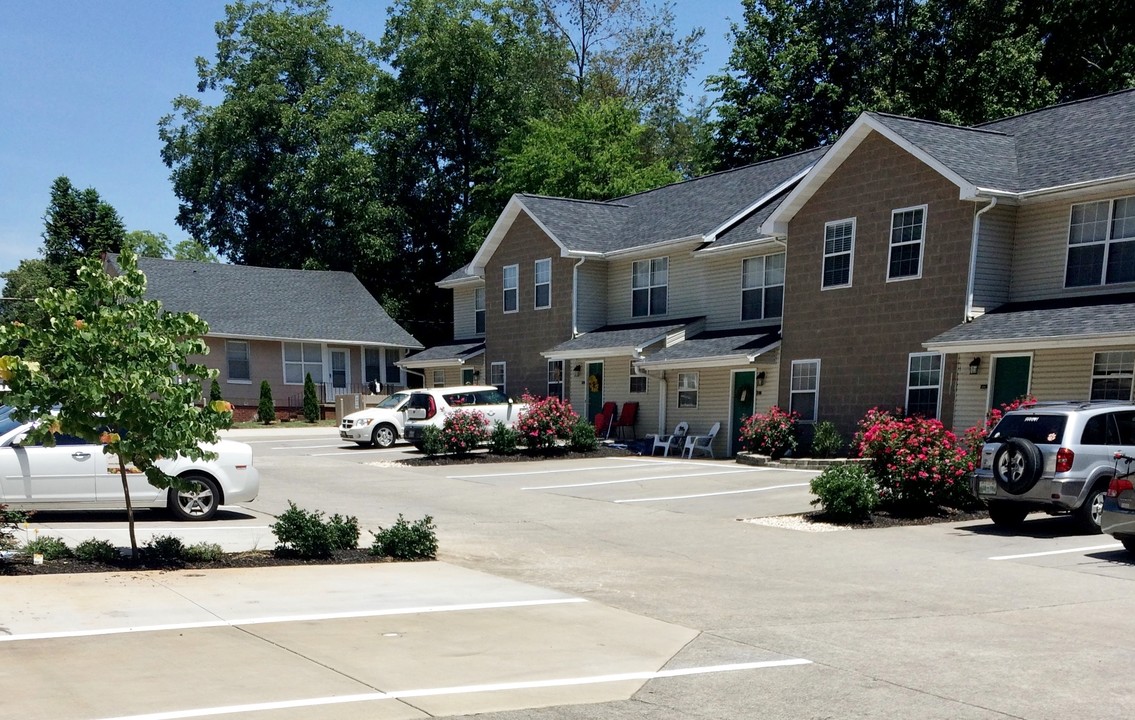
594, 389
467, 376
744, 385
1010, 379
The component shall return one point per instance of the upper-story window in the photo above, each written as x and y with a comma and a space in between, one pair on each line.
649, 279
479, 311
511, 285
908, 228
762, 287
839, 246
543, 288
1101, 243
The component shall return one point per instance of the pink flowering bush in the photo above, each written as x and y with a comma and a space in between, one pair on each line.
918, 464
464, 430
545, 421
974, 437
773, 433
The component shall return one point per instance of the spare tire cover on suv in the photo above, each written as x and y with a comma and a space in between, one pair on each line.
1017, 465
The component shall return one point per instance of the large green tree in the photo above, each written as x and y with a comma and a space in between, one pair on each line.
146, 243
117, 368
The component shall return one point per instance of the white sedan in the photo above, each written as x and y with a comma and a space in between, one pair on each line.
77, 475
380, 425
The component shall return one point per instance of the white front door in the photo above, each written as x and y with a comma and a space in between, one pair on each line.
340, 371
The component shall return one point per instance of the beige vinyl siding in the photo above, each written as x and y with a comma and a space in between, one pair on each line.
1040, 250
714, 386
591, 295
464, 324
721, 296
994, 258
685, 295
616, 389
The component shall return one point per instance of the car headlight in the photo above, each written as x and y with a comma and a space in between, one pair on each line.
363, 422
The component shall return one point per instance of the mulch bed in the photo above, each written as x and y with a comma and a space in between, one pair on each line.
22, 564
885, 519
483, 456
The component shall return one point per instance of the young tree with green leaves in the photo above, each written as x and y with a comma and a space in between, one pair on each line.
146, 243
117, 368
266, 410
310, 400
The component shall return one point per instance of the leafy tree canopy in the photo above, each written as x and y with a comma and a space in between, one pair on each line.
193, 250
78, 225
145, 243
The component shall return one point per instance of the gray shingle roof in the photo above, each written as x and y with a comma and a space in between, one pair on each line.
621, 336
1095, 316
686, 209
719, 344
458, 350
247, 301
460, 274
985, 158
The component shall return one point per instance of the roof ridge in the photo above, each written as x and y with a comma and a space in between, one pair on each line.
241, 265
939, 123
605, 203
1066, 103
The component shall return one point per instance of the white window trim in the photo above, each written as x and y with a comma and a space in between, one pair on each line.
816, 391
1094, 377
324, 362
696, 390
850, 253
229, 379
941, 374
1106, 242
649, 287
536, 284
434, 375
921, 243
561, 382
764, 305
479, 311
505, 290
504, 375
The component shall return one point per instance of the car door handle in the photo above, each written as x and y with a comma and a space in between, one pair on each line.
80, 455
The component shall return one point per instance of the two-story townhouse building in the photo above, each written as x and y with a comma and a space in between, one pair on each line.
670, 299
947, 270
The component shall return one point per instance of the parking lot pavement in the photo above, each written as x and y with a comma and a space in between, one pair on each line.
391, 640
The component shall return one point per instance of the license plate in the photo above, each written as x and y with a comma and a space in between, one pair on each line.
986, 486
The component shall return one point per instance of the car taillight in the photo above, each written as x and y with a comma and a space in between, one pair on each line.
1118, 485
1064, 458
432, 409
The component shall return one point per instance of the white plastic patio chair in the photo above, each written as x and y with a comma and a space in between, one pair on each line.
673, 440
701, 443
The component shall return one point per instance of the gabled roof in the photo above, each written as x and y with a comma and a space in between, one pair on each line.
455, 353
463, 275
1082, 142
272, 303
700, 209
716, 348
1061, 323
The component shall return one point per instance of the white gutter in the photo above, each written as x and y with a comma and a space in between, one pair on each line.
972, 279
575, 298
761, 201
653, 247
746, 246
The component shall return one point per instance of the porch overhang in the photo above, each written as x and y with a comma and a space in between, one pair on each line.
630, 340
442, 356
729, 348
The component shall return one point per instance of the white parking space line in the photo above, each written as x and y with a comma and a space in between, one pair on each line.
347, 452
535, 472
631, 480
291, 618
712, 494
313, 438
1113, 546
311, 447
463, 690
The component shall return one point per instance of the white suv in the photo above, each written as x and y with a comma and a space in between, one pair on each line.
379, 425
431, 406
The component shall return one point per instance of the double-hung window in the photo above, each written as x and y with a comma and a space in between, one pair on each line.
804, 390
479, 311
497, 375
301, 359
372, 364
1101, 243
908, 229
924, 385
649, 279
237, 357
543, 288
762, 287
839, 247
556, 379
439, 378
1112, 373
511, 283
393, 372
688, 390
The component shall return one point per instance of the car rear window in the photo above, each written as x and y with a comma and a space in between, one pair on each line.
1035, 427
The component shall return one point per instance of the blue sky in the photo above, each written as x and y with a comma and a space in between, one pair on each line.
83, 85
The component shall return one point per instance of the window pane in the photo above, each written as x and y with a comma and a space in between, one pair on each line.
510, 302
543, 296
1089, 223
511, 275
1111, 389
751, 304
479, 299
659, 271
922, 401
904, 260
293, 373
638, 384
555, 371
372, 363
774, 269
658, 300
804, 404
1123, 222
752, 272
774, 301
640, 303
1085, 265
837, 270
1121, 261
543, 271
479, 322
837, 238
292, 352
312, 353
640, 274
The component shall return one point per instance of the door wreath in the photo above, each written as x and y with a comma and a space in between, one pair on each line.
593, 383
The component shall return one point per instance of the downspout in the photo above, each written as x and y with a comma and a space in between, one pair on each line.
973, 258
575, 298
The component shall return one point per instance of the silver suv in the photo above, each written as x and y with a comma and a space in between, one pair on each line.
1054, 457
431, 406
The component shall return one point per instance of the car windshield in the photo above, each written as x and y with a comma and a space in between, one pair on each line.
1035, 427
393, 401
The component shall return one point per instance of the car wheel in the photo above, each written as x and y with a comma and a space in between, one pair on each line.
1017, 466
198, 503
1128, 544
1091, 512
384, 435
1007, 515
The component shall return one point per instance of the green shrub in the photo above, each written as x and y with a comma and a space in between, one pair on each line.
310, 401
545, 421
306, 534
215, 391
9, 521
432, 442
202, 552
583, 437
52, 548
845, 492
266, 410
163, 548
773, 433
98, 551
503, 440
406, 541
826, 440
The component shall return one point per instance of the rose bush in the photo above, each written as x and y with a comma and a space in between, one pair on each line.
463, 431
772, 433
545, 421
